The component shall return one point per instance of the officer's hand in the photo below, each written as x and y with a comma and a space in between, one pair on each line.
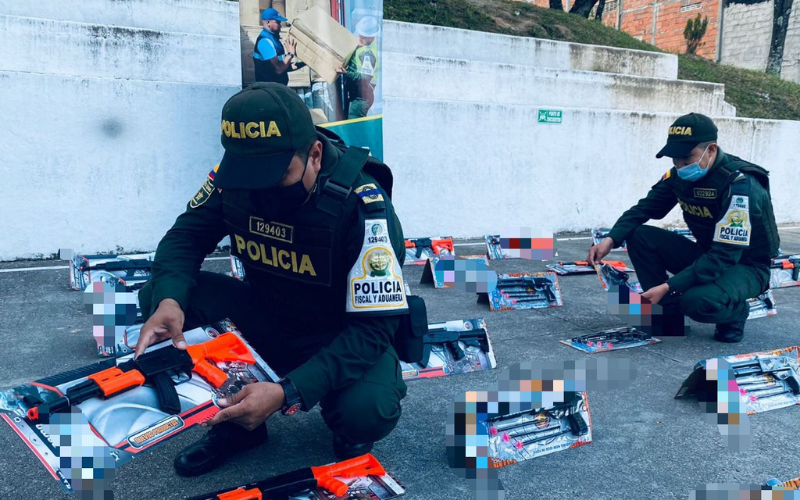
165, 323
655, 294
599, 251
251, 406
341, 70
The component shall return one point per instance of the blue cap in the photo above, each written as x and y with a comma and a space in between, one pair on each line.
271, 13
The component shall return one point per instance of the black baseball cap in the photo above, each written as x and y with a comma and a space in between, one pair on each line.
686, 133
262, 127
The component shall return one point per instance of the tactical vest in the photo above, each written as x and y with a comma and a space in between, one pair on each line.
264, 70
704, 202
298, 263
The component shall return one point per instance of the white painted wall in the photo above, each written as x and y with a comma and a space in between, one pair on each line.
435, 78
102, 51
494, 165
105, 161
435, 41
111, 125
203, 17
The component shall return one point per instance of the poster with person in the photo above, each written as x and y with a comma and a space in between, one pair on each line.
329, 52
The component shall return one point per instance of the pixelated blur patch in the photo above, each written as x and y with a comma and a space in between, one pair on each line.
743, 491
113, 309
469, 275
528, 243
535, 409
85, 460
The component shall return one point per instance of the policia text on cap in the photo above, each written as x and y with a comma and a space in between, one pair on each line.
319, 241
727, 206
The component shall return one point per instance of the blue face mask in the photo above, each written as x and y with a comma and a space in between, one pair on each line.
693, 172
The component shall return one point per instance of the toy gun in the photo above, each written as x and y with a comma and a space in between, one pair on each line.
436, 245
155, 368
767, 376
609, 338
309, 478
542, 285
613, 263
536, 426
788, 263
439, 334
118, 265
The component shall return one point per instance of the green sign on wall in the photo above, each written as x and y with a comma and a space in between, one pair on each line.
550, 116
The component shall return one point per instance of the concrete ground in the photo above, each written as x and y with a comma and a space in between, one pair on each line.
647, 444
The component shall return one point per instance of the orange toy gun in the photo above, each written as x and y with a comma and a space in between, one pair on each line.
437, 245
155, 368
292, 483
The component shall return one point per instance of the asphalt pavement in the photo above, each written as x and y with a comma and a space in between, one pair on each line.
647, 445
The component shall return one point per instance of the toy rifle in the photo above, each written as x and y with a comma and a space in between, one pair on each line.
118, 265
436, 245
767, 376
539, 285
155, 368
309, 478
439, 334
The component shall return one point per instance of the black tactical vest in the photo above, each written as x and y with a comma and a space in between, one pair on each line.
298, 263
704, 202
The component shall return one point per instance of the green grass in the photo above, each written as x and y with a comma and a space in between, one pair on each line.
755, 94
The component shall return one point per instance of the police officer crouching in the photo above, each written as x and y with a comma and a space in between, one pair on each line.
313, 225
726, 204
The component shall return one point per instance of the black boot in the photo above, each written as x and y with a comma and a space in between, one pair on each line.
344, 449
221, 442
732, 332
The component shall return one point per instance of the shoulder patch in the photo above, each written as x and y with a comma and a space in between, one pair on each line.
734, 227
369, 193
666, 176
204, 193
375, 283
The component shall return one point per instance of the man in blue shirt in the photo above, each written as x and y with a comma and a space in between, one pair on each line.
272, 61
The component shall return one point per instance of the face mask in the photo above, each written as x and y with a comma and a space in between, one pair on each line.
693, 172
283, 199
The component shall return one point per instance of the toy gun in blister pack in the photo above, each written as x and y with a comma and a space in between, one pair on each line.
541, 425
130, 266
309, 478
156, 368
436, 245
618, 264
767, 376
528, 284
610, 338
439, 334
789, 263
